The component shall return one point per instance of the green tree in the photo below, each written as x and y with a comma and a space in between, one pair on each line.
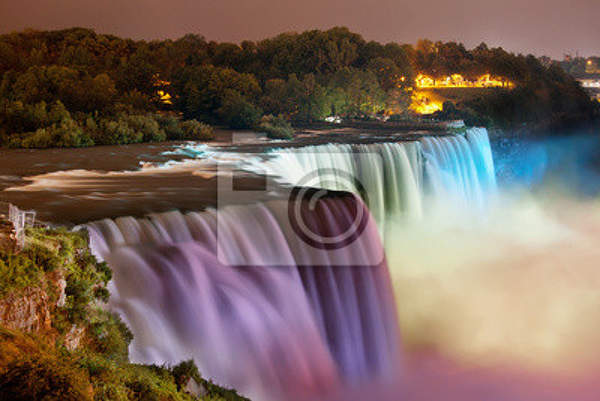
357, 93
237, 112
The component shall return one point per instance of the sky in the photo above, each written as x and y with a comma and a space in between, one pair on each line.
541, 27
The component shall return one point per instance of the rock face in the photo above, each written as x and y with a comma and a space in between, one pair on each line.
73, 337
194, 388
27, 311
30, 309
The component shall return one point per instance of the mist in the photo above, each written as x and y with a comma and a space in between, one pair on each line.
506, 304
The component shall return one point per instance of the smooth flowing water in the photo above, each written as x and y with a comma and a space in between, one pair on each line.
256, 307
399, 181
295, 298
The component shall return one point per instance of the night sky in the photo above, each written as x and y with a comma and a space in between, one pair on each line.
542, 27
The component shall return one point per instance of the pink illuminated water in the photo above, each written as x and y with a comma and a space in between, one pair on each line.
273, 331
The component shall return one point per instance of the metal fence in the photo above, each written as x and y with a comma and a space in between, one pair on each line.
20, 220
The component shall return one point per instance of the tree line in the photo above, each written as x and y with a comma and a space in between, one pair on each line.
75, 87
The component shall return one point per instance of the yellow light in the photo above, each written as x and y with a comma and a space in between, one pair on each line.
458, 81
164, 97
156, 81
425, 103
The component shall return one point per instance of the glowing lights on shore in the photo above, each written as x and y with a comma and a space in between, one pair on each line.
425, 102
458, 81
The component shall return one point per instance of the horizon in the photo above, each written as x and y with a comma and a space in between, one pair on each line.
208, 40
536, 28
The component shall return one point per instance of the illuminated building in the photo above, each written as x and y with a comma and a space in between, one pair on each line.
591, 66
590, 82
428, 102
458, 81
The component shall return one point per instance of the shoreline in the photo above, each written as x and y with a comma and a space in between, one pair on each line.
76, 185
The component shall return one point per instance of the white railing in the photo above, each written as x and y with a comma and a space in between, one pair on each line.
20, 220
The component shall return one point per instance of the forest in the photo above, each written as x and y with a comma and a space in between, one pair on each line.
74, 87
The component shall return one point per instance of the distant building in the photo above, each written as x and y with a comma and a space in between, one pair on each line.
423, 81
589, 83
592, 66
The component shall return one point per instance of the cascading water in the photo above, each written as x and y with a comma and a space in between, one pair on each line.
460, 169
205, 285
398, 181
259, 308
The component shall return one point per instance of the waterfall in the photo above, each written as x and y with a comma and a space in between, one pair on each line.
398, 181
256, 307
459, 169
257, 294
386, 175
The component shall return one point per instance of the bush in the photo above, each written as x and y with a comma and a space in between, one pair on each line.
110, 336
27, 268
44, 377
51, 128
68, 134
187, 370
19, 117
170, 124
118, 132
18, 272
195, 130
39, 139
276, 127
239, 113
147, 127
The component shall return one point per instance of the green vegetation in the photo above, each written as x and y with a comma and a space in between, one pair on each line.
238, 112
41, 125
275, 127
32, 369
48, 251
77, 88
42, 365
